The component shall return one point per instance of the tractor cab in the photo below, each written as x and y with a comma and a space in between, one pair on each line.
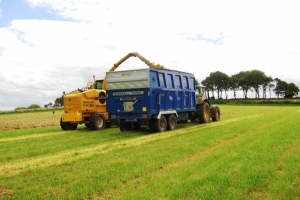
200, 91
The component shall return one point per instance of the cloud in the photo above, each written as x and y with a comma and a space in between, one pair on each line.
51, 55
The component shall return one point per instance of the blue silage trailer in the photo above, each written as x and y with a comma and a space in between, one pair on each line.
155, 98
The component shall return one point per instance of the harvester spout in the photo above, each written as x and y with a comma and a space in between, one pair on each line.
135, 54
122, 60
149, 64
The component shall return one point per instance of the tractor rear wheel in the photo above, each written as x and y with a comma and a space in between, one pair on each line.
97, 121
203, 113
215, 113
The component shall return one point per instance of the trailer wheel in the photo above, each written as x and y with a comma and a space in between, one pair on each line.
159, 125
171, 122
124, 127
67, 125
97, 121
203, 113
215, 113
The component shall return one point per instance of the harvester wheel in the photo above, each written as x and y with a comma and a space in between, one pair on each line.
63, 125
171, 122
159, 125
203, 113
72, 126
97, 121
67, 125
215, 113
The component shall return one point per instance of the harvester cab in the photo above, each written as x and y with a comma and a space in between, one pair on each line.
94, 85
98, 84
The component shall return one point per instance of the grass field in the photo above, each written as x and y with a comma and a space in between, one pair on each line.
252, 153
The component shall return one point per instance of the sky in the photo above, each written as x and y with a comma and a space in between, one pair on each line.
51, 46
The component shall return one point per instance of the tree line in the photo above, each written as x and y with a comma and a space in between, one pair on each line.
57, 103
219, 82
246, 81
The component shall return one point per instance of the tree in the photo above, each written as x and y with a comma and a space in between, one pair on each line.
218, 81
243, 79
292, 90
58, 102
266, 82
271, 86
208, 87
255, 79
280, 88
34, 106
234, 84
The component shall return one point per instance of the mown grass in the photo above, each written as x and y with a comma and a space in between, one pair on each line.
29, 120
252, 153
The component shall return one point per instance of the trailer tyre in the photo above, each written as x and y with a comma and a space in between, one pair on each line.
124, 127
203, 112
215, 113
97, 121
171, 122
159, 125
